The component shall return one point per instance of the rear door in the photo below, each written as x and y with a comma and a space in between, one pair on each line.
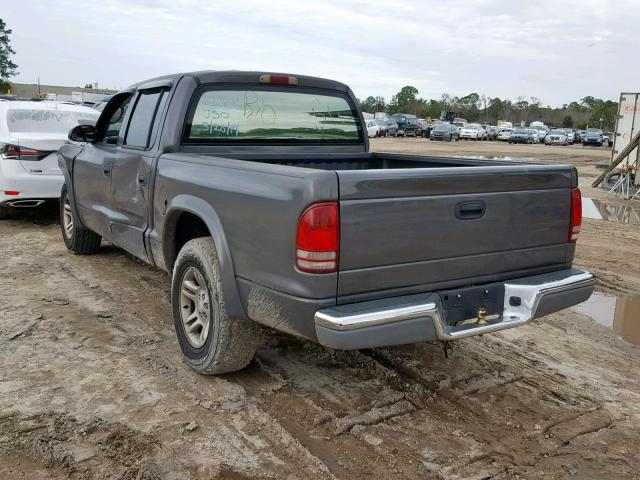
450, 226
129, 194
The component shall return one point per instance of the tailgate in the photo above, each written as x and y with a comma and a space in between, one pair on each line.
444, 227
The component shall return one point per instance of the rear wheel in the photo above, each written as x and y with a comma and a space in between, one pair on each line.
210, 341
78, 239
4, 212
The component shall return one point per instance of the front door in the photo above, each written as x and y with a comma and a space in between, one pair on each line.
129, 188
92, 167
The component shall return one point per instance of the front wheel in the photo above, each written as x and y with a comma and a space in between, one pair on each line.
210, 341
78, 239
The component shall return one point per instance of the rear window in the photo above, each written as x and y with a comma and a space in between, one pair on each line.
47, 121
243, 116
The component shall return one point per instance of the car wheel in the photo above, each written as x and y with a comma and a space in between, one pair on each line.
78, 239
4, 212
210, 341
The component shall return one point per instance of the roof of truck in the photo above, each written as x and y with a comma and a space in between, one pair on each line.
240, 76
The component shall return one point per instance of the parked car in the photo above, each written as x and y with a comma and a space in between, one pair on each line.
289, 226
406, 124
373, 130
423, 129
571, 135
30, 135
445, 132
580, 135
99, 106
504, 134
593, 136
493, 132
387, 127
521, 135
535, 135
543, 130
473, 131
608, 138
557, 136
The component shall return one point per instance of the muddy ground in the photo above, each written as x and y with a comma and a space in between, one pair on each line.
92, 384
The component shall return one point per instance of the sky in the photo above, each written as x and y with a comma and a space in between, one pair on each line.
555, 50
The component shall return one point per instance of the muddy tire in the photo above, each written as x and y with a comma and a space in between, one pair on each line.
4, 213
78, 239
210, 341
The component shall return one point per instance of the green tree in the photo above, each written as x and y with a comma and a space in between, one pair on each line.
406, 100
567, 121
7, 67
368, 105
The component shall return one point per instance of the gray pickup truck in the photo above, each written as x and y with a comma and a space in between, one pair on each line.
259, 193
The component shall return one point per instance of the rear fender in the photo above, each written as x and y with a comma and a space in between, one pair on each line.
203, 210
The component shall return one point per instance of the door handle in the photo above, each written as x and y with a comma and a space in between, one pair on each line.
470, 210
142, 181
106, 172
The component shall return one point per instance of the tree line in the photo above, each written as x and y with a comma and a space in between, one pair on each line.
588, 112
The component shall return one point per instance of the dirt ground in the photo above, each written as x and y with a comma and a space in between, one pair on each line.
92, 384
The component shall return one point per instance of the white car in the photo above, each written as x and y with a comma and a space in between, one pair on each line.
571, 135
504, 134
30, 135
373, 129
556, 137
473, 131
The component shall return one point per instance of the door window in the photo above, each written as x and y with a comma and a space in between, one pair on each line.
114, 125
139, 130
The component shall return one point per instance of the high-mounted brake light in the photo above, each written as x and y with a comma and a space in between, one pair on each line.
15, 152
576, 214
318, 240
11, 192
278, 79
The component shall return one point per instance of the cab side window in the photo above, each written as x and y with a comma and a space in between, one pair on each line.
142, 119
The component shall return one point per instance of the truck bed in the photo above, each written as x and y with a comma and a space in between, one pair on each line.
399, 230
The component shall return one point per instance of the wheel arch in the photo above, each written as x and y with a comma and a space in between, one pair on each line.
191, 217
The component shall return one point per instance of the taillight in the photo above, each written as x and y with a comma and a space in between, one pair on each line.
15, 152
576, 214
318, 238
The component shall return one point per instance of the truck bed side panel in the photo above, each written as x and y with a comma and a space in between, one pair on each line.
258, 206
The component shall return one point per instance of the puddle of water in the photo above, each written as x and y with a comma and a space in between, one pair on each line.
621, 314
628, 213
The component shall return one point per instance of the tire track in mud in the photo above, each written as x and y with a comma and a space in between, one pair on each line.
133, 326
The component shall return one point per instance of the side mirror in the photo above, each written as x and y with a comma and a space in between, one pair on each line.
83, 133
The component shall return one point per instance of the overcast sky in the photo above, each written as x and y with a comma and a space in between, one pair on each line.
556, 50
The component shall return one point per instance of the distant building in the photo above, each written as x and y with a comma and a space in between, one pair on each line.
57, 92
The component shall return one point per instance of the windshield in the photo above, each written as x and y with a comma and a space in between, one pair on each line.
272, 116
594, 131
381, 121
472, 126
441, 128
520, 130
557, 132
47, 121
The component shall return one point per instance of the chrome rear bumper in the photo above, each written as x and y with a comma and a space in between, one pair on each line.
421, 317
